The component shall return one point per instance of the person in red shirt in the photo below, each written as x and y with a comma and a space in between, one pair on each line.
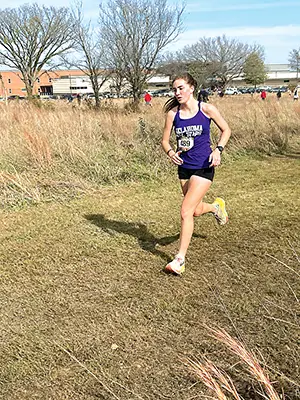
148, 99
263, 95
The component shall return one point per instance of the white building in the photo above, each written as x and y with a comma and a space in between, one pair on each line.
281, 73
159, 82
74, 84
278, 75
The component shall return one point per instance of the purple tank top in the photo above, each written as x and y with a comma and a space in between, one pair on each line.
193, 135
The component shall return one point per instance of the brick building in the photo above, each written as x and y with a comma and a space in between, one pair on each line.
11, 83
62, 82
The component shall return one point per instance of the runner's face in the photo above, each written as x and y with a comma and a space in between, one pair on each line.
182, 90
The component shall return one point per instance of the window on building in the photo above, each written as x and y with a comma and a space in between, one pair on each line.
50, 80
23, 90
9, 81
38, 80
9, 91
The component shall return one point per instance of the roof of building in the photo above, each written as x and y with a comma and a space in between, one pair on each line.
278, 67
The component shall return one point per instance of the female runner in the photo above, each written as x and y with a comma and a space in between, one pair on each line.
195, 159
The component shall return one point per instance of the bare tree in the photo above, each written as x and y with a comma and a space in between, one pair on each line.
174, 64
201, 71
171, 64
91, 53
294, 60
135, 32
204, 73
118, 79
31, 36
224, 57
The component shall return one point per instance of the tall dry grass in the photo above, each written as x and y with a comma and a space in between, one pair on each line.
261, 126
60, 149
220, 383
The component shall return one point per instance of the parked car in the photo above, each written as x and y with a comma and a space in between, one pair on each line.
125, 95
163, 93
284, 89
232, 91
266, 88
105, 95
15, 97
243, 90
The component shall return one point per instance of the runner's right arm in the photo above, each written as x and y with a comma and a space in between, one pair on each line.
166, 138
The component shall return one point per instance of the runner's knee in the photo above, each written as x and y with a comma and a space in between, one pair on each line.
186, 213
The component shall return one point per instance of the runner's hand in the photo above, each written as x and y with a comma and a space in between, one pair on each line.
176, 158
215, 158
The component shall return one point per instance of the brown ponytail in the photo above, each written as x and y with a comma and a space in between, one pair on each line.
171, 103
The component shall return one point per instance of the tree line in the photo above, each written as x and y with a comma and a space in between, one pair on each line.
126, 45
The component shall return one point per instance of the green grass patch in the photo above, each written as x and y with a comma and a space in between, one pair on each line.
85, 277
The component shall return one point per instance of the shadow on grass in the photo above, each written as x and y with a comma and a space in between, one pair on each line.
147, 241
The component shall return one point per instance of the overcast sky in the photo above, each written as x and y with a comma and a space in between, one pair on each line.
273, 24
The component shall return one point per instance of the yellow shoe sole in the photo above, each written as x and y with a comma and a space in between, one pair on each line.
221, 203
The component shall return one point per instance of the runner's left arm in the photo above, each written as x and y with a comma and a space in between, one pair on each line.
214, 114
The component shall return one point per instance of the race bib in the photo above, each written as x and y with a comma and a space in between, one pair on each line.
185, 143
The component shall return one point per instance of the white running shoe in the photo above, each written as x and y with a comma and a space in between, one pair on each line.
176, 266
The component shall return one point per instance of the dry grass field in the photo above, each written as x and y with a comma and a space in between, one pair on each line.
90, 216
60, 150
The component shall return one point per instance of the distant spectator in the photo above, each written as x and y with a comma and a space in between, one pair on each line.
78, 99
221, 93
296, 94
263, 95
148, 99
203, 96
278, 94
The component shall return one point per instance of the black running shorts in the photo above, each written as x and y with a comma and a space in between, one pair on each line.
186, 173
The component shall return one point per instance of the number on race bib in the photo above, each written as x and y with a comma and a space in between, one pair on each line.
185, 144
